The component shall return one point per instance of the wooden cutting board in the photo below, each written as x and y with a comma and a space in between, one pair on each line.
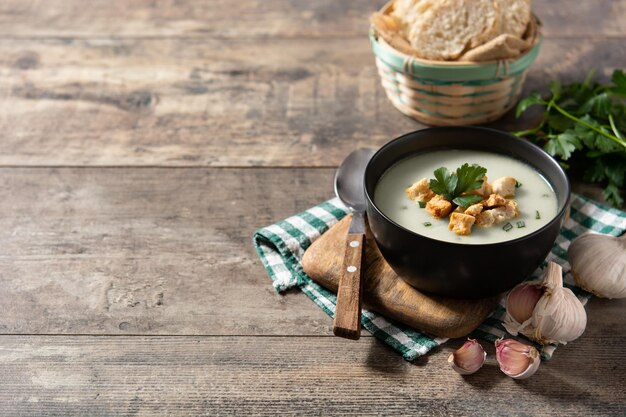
386, 293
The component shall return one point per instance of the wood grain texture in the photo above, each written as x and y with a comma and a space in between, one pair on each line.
151, 251
157, 251
246, 19
142, 257
386, 293
210, 376
347, 320
169, 102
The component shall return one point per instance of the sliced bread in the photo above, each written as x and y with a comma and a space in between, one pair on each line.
449, 27
411, 12
514, 17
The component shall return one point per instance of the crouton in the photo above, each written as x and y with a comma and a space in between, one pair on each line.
494, 200
511, 209
438, 207
420, 191
461, 223
484, 190
504, 186
474, 209
485, 219
497, 215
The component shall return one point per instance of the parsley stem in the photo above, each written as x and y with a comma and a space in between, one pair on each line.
582, 122
534, 130
589, 77
612, 122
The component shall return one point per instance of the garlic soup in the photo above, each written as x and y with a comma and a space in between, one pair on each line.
535, 197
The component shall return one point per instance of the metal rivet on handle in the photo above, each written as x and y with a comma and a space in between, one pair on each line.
354, 243
351, 268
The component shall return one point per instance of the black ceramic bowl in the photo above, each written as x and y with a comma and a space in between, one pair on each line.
456, 269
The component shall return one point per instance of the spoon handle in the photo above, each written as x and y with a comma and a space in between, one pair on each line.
347, 321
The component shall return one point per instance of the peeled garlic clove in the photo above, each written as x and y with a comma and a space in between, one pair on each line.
558, 316
517, 360
599, 264
468, 358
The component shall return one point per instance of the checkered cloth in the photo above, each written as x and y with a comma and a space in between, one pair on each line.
282, 245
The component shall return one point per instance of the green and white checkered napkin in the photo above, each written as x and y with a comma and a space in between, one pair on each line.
282, 245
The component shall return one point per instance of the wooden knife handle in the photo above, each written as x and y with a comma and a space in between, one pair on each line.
347, 321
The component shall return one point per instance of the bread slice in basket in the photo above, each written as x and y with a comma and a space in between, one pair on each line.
514, 17
448, 28
443, 30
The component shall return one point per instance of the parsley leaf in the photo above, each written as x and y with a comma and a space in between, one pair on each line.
444, 183
555, 89
467, 200
559, 122
533, 99
470, 178
619, 83
595, 172
597, 106
452, 185
562, 145
612, 193
585, 122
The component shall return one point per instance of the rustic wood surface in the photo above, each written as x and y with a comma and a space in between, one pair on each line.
142, 143
208, 102
230, 375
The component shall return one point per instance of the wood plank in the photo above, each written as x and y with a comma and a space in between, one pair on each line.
216, 103
246, 19
189, 18
155, 251
145, 376
158, 251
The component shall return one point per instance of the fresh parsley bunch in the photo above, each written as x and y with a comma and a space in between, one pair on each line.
585, 122
452, 185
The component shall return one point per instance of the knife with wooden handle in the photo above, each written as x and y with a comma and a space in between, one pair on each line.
349, 188
347, 321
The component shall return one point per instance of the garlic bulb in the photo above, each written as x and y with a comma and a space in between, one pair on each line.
545, 311
599, 264
517, 360
468, 358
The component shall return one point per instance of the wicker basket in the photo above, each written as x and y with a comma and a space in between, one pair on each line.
447, 92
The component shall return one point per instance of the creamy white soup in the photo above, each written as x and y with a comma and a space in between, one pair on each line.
537, 202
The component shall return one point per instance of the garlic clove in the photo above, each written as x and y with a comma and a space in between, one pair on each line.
521, 301
469, 358
516, 359
557, 317
599, 264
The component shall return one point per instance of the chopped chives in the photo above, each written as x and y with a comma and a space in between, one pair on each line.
507, 227
518, 184
520, 224
537, 215
545, 195
427, 224
422, 204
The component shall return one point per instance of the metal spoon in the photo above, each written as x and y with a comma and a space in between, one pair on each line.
349, 189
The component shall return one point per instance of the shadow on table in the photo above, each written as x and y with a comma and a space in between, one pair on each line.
382, 359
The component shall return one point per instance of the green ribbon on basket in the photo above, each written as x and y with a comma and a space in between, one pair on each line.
281, 247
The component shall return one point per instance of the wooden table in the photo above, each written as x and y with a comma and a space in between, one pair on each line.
142, 144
